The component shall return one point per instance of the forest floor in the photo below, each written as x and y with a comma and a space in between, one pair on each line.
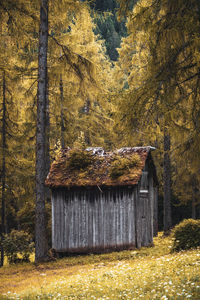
148, 273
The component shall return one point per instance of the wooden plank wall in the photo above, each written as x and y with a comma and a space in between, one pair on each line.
89, 219
144, 215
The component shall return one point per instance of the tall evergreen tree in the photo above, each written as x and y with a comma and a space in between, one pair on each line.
108, 27
163, 72
3, 172
40, 223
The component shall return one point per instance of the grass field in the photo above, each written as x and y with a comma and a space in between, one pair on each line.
148, 273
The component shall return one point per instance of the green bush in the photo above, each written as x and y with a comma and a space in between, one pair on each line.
18, 243
186, 235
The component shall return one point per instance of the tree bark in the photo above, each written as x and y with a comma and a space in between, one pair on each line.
87, 111
40, 221
193, 209
47, 143
47, 137
3, 172
194, 197
62, 122
167, 183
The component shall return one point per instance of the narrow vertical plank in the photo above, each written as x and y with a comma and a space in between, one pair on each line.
103, 219
117, 219
79, 220
93, 220
90, 234
71, 244
129, 213
62, 233
53, 219
86, 219
57, 221
137, 218
133, 229
66, 241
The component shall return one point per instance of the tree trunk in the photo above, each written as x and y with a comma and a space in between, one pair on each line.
62, 122
47, 137
47, 144
193, 208
40, 222
3, 172
167, 184
87, 111
194, 197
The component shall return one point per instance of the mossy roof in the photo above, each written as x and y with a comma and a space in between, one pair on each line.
118, 168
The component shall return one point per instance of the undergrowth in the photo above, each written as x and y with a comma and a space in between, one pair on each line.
148, 273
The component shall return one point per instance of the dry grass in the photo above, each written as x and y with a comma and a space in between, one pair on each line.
148, 273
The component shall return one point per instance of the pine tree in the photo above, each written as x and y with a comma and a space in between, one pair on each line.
107, 25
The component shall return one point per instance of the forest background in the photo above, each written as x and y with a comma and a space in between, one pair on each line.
119, 74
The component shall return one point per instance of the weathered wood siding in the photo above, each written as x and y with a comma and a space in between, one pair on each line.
144, 237
88, 219
145, 211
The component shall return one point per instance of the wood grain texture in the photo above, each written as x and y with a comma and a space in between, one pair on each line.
92, 219
89, 219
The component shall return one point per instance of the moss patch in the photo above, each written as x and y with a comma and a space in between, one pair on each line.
124, 165
79, 167
79, 160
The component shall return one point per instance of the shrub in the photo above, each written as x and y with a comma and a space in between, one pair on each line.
26, 219
186, 235
17, 242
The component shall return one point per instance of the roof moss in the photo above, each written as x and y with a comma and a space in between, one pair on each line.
76, 167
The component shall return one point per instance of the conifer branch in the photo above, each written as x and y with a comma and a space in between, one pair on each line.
82, 60
27, 91
21, 10
189, 78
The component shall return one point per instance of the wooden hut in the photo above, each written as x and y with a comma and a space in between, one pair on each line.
103, 201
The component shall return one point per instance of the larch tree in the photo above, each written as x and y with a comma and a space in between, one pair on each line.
164, 73
80, 76
40, 213
3, 172
8, 117
76, 66
17, 22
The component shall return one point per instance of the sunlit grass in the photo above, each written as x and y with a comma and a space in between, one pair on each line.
148, 273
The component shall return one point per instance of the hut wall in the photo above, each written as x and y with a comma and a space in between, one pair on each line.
144, 219
145, 209
90, 220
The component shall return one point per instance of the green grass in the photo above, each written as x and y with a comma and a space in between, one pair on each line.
148, 273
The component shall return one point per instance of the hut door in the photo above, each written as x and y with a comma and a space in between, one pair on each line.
144, 209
